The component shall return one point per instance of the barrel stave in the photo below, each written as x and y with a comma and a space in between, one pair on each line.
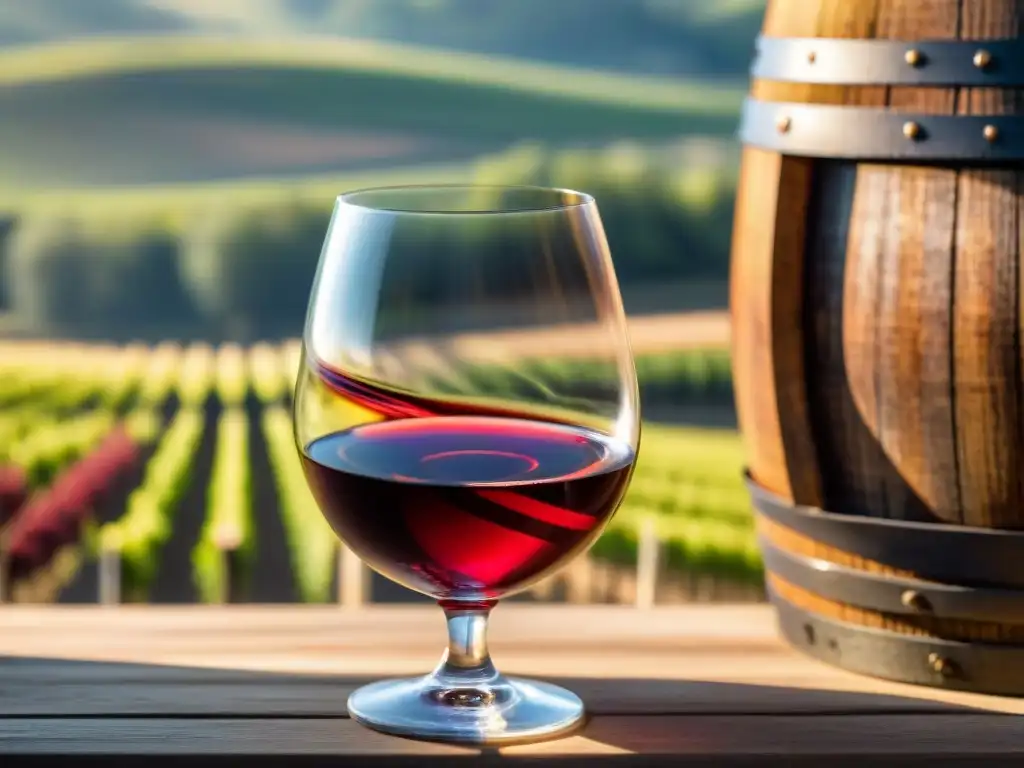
877, 335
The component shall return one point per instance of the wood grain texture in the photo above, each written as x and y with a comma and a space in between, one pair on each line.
707, 683
302, 661
901, 262
987, 349
843, 265
912, 357
766, 299
749, 304
769, 738
986, 322
766, 303
912, 320
799, 454
912, 336
41, 688
803, 225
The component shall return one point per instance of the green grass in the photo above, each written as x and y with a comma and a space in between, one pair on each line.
187, 109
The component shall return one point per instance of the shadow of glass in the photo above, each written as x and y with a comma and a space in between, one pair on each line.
50, 706
49, 687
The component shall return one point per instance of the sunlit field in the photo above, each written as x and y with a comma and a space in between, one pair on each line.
171, 455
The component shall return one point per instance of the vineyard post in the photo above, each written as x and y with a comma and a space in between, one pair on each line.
648, 547
234, 575
544, 590
109, 568
228, 542
353, 584
580, 580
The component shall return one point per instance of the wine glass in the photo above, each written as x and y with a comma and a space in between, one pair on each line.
467, 416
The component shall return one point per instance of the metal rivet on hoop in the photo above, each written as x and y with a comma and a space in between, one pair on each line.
912, 130
991, 133
913, 57
809, 634
914, 600
784, 124
943, 666
982, 59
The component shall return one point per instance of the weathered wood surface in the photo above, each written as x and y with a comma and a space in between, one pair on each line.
691, 686
898, 282
876, 311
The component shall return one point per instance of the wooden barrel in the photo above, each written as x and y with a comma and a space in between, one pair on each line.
876, 292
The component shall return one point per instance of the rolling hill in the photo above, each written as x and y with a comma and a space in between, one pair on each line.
172, 109
673, 37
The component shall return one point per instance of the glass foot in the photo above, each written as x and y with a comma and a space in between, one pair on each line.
500, 711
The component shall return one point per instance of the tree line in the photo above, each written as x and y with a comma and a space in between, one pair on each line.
242, 270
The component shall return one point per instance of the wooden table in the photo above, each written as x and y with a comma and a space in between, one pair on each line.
699, 685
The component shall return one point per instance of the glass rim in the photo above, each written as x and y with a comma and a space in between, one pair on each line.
561, 199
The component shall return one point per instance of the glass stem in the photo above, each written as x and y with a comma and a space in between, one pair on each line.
466, 672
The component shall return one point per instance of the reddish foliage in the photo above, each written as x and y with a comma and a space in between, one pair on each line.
53, 518
13, 491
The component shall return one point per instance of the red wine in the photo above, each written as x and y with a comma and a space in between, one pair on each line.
467, 507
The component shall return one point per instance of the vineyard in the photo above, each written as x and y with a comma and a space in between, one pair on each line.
180, 461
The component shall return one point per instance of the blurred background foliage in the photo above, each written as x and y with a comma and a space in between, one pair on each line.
167, 173
241, 270
669, 36
192, 150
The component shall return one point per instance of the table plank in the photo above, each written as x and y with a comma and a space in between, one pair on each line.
681, 686
302, 661
769, 738
58, 688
